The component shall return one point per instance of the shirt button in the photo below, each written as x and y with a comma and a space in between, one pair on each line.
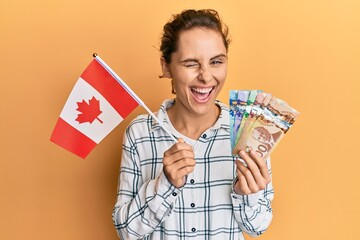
204, 135
192, 205
193, 229
174, 194
192, 181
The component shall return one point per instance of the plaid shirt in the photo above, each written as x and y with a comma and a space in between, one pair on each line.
149, 207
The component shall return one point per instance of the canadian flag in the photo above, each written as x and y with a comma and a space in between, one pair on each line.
99, 101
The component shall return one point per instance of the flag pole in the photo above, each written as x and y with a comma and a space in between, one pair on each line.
122, 83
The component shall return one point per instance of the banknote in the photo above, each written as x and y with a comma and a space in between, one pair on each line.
265, 123
261, 102
238, 102
247, 109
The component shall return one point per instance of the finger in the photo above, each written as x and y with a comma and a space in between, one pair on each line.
177, 156
181, 145
261, 163
255, 170
179, 169
252, 165
176, 172
248, 176
241, 186
183, 163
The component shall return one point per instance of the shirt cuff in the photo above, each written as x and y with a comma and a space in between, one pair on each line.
250, 200
165, 198
164, 188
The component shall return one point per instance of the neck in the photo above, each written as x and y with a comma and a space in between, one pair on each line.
190, 124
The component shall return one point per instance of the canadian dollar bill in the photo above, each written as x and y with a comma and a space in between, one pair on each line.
264, 124
238, 102
246, 112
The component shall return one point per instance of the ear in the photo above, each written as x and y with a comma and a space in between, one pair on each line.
165, 68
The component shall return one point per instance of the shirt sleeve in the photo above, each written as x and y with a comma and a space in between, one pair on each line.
140, 206
253, 212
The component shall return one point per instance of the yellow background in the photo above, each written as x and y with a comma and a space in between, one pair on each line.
306, 52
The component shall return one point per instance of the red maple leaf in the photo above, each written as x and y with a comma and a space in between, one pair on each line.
89, 112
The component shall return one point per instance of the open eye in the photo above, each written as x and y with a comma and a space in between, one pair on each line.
216, 62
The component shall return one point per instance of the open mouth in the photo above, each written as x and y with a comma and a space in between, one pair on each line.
202, 94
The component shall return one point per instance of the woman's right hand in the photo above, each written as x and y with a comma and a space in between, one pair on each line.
178, 162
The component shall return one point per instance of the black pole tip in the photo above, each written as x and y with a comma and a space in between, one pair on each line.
94, 55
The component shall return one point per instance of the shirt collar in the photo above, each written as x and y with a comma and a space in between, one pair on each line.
222, 122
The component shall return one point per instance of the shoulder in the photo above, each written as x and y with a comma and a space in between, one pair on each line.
140, 124
222, 106
138, 129
224, 119
145, 123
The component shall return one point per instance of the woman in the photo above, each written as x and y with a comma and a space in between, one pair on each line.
193, 188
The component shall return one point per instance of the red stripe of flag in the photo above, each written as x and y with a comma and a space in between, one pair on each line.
100, 79
71, 139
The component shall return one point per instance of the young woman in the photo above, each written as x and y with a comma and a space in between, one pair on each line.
194, 188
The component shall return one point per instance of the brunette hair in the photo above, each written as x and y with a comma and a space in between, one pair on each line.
186, 20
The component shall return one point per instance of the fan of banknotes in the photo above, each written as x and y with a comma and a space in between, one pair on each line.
258, 121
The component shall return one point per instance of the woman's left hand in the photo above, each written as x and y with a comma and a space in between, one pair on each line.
253, 177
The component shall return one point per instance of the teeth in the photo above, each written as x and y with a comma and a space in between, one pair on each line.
202, 90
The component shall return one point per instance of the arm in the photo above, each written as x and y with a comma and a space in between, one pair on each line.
253, 193
141, 206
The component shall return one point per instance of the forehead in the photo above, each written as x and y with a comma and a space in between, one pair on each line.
200, 42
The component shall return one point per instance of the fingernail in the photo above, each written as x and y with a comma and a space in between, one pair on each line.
242, 153
255, 153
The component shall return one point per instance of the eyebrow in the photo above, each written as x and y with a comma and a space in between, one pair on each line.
197, 60
219, 56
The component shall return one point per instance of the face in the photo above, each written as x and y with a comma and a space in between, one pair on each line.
262, 135
198, 70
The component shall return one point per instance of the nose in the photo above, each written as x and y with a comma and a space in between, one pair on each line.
205, 74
